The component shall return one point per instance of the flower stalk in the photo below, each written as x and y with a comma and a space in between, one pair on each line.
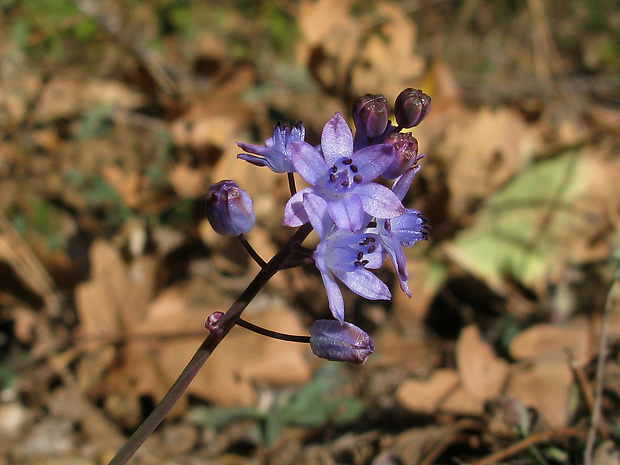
226, 323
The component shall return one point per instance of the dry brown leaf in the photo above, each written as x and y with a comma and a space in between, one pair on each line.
545, 386
484, 149
186, 181
71, 93
462, 402
482, 372
71, 403
544, 340
427, 396
127, 185
117, 294
409, 348
393, 42
97, 309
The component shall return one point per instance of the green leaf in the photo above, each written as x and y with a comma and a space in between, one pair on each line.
524, 229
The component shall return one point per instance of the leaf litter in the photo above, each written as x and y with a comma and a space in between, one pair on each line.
104, 173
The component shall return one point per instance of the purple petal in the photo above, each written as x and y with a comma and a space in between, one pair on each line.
401, 184
317, 212
308, 162
410, 228
372, 161
364, 283
274, 159
347, 212
334, 295
294, 212
380, 201
336, 139
397, 254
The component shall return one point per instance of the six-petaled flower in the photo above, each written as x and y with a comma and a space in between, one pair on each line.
341, 188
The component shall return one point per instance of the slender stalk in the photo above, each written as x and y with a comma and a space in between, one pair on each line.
600, 370
250, 250
226, 323
291, 184
272, 334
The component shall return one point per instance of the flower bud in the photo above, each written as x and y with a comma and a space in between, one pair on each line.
340, 342
406, 148
371, 114
411, 107
229, 209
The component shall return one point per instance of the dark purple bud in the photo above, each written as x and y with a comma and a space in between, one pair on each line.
229, 209
340, 342
212, 324
411, 107
406, 148
371, 114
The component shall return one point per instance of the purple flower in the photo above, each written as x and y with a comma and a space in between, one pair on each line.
341, 188
399, 232
229, 209
276, 154
340, 342
349, 257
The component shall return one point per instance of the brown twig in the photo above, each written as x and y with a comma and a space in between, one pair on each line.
528, 442
600, 368
454, 436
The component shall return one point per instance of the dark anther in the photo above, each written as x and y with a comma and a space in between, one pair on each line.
348, 161
357, 178
345, 183
371, 249
357, 263
332, 177
353, 168
364, 262
360, 255
334, 169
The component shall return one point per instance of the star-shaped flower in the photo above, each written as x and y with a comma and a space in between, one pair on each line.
341, 188
276, 154
349, 257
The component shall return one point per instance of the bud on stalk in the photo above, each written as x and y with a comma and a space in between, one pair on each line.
411, 107
340, 342
371, 114
229, 209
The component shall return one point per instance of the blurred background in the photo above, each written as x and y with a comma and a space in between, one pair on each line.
116, 117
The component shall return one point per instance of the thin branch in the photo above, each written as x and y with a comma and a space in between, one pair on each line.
250, 250
226, 323
600, 368
272, 334
526, 443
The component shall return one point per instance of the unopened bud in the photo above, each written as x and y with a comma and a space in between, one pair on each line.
371, 114
411, 107
406, 148
340, 342
229, 209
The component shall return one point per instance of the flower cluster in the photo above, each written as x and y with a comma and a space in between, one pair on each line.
357, 182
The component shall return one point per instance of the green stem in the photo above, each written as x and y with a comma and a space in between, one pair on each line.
226, 323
